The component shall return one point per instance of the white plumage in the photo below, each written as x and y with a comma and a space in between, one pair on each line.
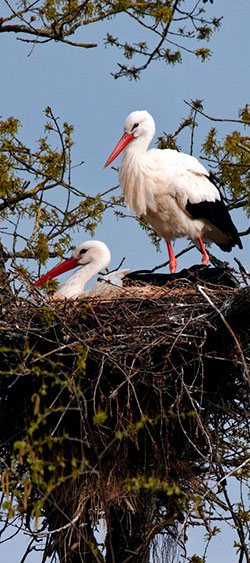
93, 256
172, 190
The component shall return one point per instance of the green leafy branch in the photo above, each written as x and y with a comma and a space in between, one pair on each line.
42, 21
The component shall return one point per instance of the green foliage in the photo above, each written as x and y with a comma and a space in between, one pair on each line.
28, 478
244, 114
172, 57
141, 482
58, 20
204, 32
230, 158
41, 248
100, 416
47, 315
9, 181
203, 54
81, 360
30, 182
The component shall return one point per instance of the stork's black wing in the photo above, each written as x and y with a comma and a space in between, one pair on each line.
216, 213
194, 274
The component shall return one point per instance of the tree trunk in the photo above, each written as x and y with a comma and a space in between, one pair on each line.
129, 536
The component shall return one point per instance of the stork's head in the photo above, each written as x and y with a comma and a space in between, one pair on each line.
93, 252
138, 126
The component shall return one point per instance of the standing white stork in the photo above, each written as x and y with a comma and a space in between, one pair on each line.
172, 190
93, 256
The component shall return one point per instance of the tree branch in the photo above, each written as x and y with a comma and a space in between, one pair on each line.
195, 108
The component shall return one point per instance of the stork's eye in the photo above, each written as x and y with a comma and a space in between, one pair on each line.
83, 251
135, 125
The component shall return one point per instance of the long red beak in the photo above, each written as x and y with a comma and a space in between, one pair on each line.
124, 141
57, 270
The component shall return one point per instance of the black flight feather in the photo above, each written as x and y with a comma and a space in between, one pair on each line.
216, 213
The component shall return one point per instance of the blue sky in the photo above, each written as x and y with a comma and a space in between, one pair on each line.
79, 88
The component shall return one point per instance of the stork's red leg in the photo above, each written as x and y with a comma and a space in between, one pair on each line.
172, 259
205, 257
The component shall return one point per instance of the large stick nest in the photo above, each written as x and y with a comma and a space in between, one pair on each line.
138, 392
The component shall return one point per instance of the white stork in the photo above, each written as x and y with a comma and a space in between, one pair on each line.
172, 190
93, 256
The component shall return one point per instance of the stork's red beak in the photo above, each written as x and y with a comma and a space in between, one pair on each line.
57, 270
124, 141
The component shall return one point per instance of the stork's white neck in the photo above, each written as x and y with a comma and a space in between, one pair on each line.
74, 285
135, 177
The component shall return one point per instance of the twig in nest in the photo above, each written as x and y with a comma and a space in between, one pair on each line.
243, 271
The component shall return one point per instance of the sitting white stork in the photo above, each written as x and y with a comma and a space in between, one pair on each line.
172, 190
93, 256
